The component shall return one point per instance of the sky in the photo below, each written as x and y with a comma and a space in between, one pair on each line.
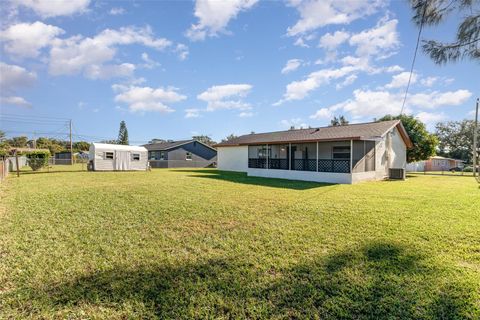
173, 69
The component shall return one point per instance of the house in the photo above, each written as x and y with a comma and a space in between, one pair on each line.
62, 157
115, 157
177, 154
435, 163
335, 154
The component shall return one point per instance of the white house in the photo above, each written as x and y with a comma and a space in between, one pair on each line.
335, 154
115, 157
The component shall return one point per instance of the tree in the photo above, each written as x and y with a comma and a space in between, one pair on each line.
467, 39
204, 139
229, 137
51, 144
81, 146
19, 142
455, 139
424, 143
109, 141
340, 121
2, 135
123, 134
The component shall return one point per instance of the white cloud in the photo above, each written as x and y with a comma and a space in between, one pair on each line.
291, 65
192, 113
214, 16
430, 118
296, 123
117, 11
12, 79
86, 55
141, 99
331, 41
15, 101
229, 96
26, 39
318, 13
323, 113
149, 63
380, 41
373, 104
108, 71
182, 51
439, 99
245, 114
348, 81
401, 80
429, 81
48, 9
298, 90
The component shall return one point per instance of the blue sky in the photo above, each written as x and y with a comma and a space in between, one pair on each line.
176, 69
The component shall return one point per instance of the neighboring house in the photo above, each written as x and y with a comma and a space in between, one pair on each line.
115, 157
177, 154
336, 154
62, 157
435, 163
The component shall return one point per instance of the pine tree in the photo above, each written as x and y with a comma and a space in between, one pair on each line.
467, 38
123, 134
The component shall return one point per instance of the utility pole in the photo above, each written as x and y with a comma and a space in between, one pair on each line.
71, 144
475, 144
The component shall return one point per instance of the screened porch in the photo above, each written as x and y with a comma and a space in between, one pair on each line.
333, 156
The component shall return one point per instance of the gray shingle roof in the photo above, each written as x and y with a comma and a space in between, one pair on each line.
166, 145
359, 131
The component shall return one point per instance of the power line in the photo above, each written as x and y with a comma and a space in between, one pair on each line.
414, 56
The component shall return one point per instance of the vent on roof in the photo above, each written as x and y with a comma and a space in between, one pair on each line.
396, 173
316, 130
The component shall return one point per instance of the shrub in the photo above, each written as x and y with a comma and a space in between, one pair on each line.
37, 159
470, 169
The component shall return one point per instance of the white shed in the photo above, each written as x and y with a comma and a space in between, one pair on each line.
115, 157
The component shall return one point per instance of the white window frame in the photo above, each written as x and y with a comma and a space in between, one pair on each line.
136, 154
187, 154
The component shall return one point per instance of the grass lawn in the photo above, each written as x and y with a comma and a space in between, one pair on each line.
198, 243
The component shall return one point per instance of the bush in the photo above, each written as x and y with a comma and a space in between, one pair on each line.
470, 169
37, 159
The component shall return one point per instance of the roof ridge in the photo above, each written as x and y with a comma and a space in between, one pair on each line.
322, 127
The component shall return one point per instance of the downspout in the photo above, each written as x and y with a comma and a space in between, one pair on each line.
317, 156
267, 156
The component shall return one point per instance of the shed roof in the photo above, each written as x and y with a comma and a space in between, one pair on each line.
108, 146
360, 131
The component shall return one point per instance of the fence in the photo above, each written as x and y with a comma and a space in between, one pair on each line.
3, 169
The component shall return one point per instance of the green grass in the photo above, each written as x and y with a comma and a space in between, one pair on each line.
185, 244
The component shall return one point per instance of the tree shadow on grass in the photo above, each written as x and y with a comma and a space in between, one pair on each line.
240, 177
378, 281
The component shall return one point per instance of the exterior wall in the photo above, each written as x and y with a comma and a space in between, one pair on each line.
364, 176
399, 151
101, 164
201, 155
233, 158
327, 177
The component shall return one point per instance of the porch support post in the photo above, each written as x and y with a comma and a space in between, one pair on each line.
351, 156
289, 156
267, 156
317, 156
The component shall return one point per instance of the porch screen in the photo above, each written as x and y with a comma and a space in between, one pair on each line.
257, 156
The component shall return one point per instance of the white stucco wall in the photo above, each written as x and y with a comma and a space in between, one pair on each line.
327, 177
398, 153
232, 158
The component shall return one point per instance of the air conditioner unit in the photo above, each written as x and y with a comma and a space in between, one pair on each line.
396, 173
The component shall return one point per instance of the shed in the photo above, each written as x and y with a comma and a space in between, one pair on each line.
115, 157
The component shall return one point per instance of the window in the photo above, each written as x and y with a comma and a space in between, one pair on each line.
109, 155
341, 152
162, 155
135, 156
188, 156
